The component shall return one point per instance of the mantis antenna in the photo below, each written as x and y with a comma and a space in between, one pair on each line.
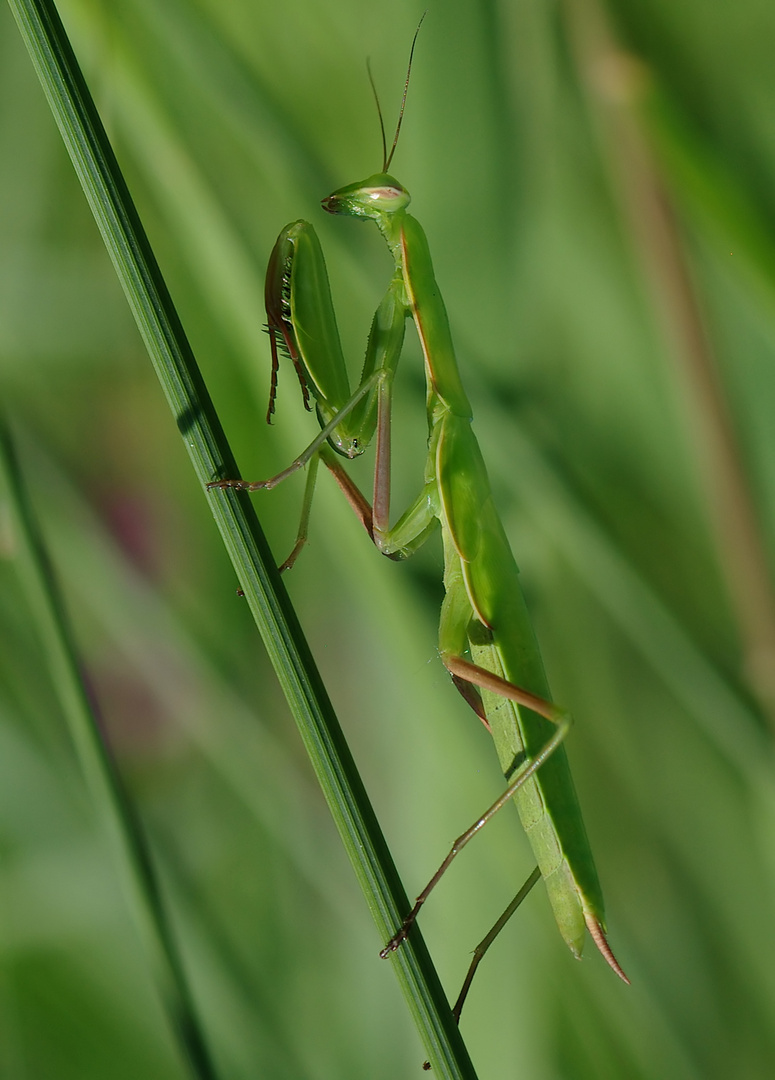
387, 158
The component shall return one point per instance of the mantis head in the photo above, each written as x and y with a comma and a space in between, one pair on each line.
375, 197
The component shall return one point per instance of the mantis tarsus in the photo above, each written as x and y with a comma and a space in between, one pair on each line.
486, 639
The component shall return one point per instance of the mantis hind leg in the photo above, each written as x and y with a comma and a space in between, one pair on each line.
456, 616
470, 678
454, 638
488, 939
523, 773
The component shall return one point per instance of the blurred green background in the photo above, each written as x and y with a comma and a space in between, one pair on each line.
597, 188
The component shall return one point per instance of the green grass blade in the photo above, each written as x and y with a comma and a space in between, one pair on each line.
104, 783
140, 277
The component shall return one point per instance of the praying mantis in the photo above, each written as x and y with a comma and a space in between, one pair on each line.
486, 639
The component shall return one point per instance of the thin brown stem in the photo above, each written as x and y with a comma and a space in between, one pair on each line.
616, 85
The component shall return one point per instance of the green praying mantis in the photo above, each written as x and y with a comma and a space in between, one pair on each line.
486, 639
